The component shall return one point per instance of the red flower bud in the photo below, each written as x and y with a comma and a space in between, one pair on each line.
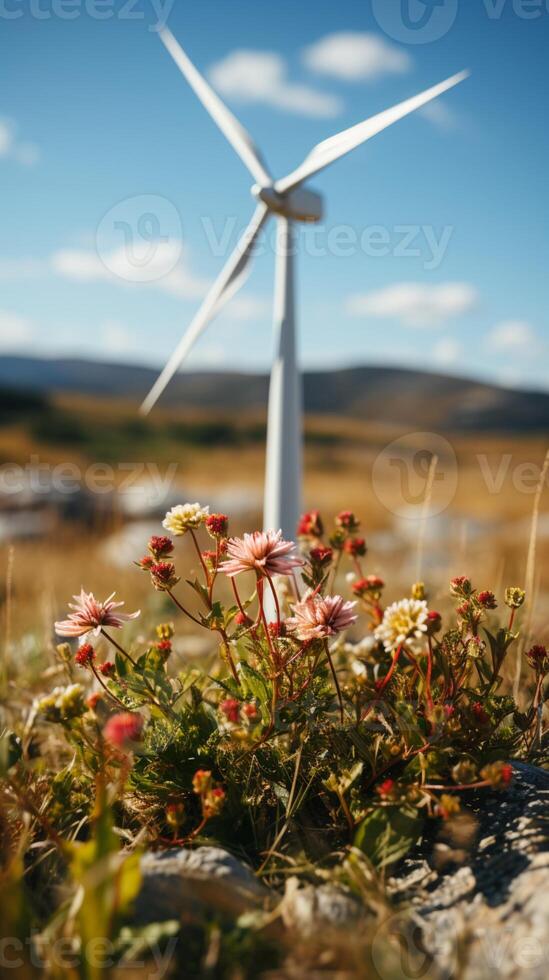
310, 525
202, 780
538, 658
123, 728
249, 710
241, 619
160, 546
217, 525
386, 788
347, 520
85, 655
146, 563
163, 576
321, 555
356, 547
434, 622
231, 709
487, 599
480, 714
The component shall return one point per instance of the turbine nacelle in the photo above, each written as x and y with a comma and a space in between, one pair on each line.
299, 204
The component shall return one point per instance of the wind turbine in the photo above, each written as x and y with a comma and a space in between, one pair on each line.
290, 202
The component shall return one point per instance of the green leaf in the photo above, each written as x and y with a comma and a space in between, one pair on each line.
121, 665
388, 833
10, 751
200, 589
254, 683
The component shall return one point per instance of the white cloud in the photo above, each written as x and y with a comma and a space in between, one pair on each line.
262, 77
447, 351
416, 304
247, 307
168, 269
6, 137
441, 115
25, 153
15, 330
116, 337
513, 335
162, 264
354, 57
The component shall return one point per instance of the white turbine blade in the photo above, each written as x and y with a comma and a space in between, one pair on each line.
231, 278
237, 136
338, 146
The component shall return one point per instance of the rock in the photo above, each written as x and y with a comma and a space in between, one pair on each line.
311, 908
182, 884
473, 907
489, 914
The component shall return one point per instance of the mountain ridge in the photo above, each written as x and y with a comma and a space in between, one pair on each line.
384, 394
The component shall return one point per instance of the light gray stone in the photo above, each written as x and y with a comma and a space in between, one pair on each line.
488, 916
482, 910
310, 909
182, 883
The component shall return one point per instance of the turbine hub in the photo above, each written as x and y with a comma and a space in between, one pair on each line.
300, 204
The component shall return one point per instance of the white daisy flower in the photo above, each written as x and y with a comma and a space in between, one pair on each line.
404, 624
180, 519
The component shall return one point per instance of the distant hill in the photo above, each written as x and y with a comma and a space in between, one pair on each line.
389, 395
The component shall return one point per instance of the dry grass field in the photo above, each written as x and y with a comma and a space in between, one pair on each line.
477, 521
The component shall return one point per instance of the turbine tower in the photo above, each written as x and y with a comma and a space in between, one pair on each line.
290, 202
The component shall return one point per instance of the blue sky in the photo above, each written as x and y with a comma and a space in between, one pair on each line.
431, 252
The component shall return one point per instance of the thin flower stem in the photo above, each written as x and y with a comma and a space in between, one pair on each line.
335, 569
165, 709
275, 597
336, 681
428, 675
118, 647
105, 688
384, 683
200, 557
268, 637
182, 608
460, 787
346, 811
237, 597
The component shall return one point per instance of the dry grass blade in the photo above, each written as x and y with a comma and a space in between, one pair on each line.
425, 514
7, 621
530, 574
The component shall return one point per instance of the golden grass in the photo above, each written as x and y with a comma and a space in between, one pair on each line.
482, 529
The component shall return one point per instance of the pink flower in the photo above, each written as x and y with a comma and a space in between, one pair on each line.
263, 552
90, 615
123, 728
317, 617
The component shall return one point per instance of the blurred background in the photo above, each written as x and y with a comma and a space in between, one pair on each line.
423, 294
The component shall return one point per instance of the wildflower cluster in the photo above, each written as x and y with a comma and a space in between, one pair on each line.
370, 717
